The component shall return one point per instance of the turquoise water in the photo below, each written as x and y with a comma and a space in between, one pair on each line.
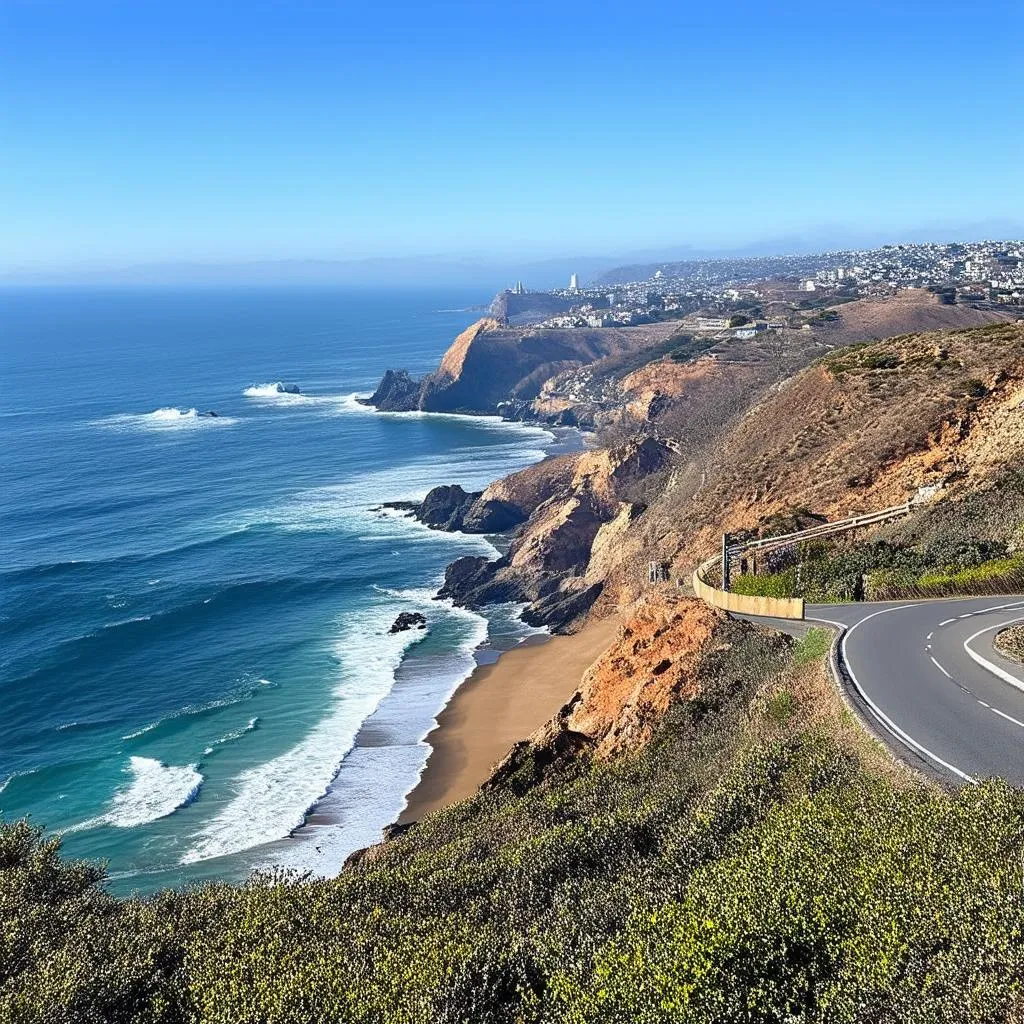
195, 609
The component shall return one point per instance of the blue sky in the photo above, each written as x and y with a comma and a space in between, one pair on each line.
162, 131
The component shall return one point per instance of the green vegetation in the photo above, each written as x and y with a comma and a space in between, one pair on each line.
968, 546
749, 864
686, 348
847, 576
814, 644
861, 357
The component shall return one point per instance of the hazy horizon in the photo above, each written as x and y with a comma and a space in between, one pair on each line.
467, 269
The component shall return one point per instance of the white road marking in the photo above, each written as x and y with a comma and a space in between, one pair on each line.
940, 668
996, 670
882, 716
1003, 714
945, 622
930, 635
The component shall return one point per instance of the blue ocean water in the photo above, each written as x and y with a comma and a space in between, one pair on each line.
194, 646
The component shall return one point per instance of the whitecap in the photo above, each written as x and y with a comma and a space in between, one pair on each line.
154, 791
16, 775
164, 418
195, 709
230, 737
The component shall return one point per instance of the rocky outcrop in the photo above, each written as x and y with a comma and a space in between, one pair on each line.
445, 507
655, 661
407, 621
397, 392
450, 507
577, 506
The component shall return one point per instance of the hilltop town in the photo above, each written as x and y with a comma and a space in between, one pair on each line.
755, 294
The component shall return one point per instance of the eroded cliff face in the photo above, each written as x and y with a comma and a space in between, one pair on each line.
662, 655
575, 507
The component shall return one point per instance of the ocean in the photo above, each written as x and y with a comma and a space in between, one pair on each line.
196, 674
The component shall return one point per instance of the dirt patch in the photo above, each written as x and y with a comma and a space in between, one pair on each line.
1011, 642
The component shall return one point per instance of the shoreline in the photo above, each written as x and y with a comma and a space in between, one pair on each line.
389, 729
496, 706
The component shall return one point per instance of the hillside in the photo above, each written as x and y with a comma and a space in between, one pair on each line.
732, 447
739, 840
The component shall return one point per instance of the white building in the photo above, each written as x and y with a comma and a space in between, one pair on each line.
574, 283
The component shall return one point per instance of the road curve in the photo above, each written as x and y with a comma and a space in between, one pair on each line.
926, 677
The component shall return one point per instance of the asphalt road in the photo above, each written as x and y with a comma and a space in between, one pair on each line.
914, 670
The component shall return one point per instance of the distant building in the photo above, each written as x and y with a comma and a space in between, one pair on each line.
574, 283
808, 286
519, 289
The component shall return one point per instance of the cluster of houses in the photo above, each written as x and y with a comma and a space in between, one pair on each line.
986, 271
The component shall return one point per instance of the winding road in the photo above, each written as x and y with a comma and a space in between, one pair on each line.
926, 677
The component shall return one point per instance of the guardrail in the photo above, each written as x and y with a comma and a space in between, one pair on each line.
784, 540
778, 607
745, 604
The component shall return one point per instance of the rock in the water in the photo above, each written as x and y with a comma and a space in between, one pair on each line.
397, 392
445, 507
288, 389
408, 620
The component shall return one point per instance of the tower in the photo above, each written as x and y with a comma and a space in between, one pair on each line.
574, 283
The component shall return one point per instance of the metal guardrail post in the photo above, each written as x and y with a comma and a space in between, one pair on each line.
725, 561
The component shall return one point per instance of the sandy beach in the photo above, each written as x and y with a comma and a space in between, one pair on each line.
497, 706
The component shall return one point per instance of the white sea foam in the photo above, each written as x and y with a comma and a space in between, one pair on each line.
166, 418
154, 791
265, 390
271, 800
370, 788
194, 709
275, 394
16, 775
356, 403
232, 736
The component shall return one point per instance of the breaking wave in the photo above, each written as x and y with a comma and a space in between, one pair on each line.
232, 736
166, 418
155, 791
272, 799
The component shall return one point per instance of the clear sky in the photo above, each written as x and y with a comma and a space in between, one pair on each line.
181, 130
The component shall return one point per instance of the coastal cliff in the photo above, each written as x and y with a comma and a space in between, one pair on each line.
490, 368
701, 827
571, 506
